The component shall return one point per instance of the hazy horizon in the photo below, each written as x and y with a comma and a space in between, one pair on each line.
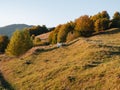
51, 12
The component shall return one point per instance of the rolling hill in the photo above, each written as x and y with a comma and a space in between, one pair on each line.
83, 64
8, 30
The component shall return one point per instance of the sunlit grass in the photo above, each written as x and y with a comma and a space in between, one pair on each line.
87, 64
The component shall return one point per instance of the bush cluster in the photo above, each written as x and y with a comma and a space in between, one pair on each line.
84, 26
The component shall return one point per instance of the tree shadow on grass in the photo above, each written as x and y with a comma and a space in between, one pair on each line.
110, 31
4, 83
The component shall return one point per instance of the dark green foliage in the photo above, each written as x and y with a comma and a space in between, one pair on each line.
115, 22
37, 30
104, 14
3, 43
20, 42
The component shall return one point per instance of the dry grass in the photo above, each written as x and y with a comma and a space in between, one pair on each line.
84, 64
44, 37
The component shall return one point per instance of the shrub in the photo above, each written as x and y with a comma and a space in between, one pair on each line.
20, 42
3, 43
37, 40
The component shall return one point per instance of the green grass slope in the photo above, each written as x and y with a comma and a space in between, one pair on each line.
84, 64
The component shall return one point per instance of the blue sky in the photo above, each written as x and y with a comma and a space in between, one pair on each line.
51, 12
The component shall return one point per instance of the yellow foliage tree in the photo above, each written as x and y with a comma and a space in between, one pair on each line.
20, 42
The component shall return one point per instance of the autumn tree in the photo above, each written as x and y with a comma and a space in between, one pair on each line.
84, 25
62, 34
104, 14
101, 24
100, 15
20, 42
101, 21
3, 43
53, 35
95, 17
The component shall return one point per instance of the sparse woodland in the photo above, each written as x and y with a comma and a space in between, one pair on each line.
84, 26
89, 60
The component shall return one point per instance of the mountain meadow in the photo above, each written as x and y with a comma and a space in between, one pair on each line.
83, 54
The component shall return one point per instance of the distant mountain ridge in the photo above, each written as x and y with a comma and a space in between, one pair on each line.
9, 29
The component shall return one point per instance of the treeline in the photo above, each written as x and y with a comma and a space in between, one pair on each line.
37, 30
84, 26
21, 40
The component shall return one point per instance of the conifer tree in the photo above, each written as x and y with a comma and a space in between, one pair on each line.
20, 42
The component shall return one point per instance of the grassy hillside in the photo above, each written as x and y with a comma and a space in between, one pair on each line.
83, 64
4, 85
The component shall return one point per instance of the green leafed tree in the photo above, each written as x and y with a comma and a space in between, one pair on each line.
20, 42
